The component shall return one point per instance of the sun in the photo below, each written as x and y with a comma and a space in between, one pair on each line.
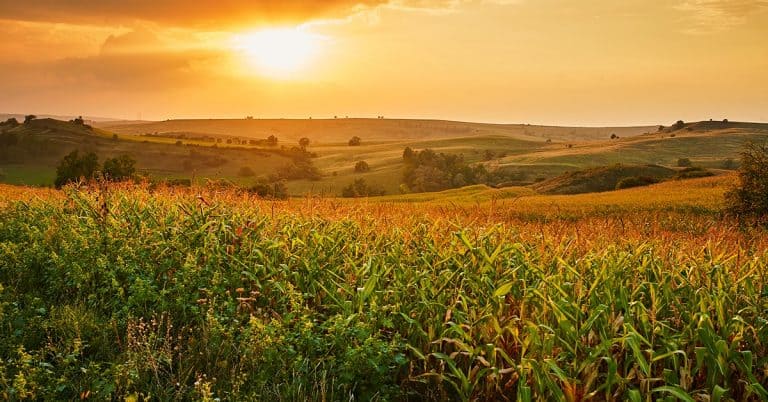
278, 52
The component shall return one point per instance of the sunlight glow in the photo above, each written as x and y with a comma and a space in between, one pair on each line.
278, 52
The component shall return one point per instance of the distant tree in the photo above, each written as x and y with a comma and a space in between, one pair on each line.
75, 167
275, 190
304, 142
114, 137
79, 120
29, 118
229, 141
408, 154
614, 136
729, 164
362, 166
678, 125
661, 128
12, 122
750, 199
272, 140
548, 141
684, 162
725, 120
120, 168
246, 171
179, 142
359, 188
354, 141
488, 155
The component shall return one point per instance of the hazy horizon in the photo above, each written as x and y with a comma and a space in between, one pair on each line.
494, 61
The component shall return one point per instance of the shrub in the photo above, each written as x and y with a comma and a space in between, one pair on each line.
678, 125
276, 190
634, 181
361, 167
354, 141
246, 171
729, 164
75, 167
359, 188
750, 198
693, 172
120, 168
684, 162
304, 143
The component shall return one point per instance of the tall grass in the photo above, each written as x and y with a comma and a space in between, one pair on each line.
121, 291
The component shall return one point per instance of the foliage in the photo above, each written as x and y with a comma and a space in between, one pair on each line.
635, 181
271, 190
303, 143
684, 162
361, 167
75, 167
750, 198
194, 294
120, 168
246, 171
730, 164
354, 141
678, 125
360, 188
428, 170
28, 118
693, 172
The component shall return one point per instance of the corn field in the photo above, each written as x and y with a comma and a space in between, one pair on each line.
136, 293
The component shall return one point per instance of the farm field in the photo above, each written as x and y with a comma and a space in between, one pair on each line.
139, 292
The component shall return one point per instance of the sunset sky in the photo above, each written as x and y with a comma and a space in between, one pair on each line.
590, 62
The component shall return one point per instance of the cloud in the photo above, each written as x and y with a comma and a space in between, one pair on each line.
182, 13
709, 16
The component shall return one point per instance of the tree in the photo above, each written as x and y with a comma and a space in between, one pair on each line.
272, 140
276, 190
614, 136
354, 141
12, 122
120, 168
678, 125
74, 167
359, 188
684, 162
304, 142
750, 199
29, 118
362, 166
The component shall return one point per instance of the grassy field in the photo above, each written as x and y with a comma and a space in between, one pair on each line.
521, 151
112, 292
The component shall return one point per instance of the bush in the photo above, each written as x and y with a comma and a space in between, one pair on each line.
361, 167
359, 188
729, 164
120, 168
74, 167
629, 182
750, 199
276, 190
678, 125
693, 172
684, 162
354, 141
246, 171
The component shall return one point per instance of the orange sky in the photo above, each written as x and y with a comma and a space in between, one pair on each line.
589, 62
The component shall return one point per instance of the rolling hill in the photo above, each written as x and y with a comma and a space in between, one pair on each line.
220, 149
